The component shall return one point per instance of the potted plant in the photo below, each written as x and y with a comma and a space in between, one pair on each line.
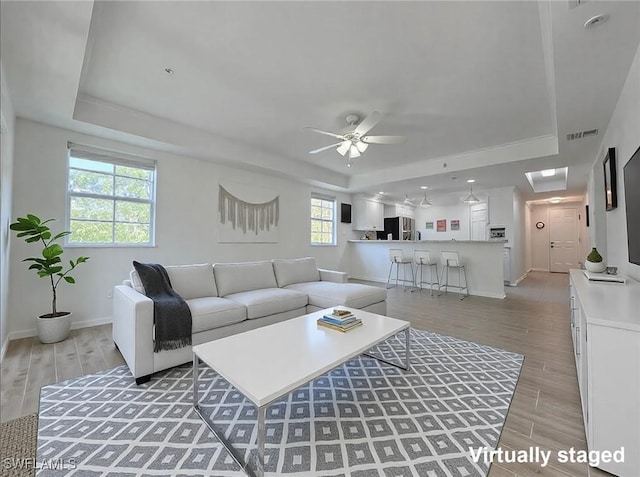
54, 326
594, 262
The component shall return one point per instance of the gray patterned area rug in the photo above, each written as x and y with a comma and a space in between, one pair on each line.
363, 419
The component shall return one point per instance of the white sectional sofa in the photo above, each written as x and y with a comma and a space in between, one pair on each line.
228, 298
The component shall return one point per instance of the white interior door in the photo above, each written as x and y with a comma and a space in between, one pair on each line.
479, 221
563, 239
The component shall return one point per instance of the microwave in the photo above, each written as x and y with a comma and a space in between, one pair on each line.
497, 232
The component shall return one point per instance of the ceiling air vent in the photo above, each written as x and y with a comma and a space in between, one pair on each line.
577, 3
582, 134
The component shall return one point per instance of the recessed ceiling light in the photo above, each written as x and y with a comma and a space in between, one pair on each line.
548, 172
555, 200
471, 181
381, 193
424, 187
597, 20
168, 71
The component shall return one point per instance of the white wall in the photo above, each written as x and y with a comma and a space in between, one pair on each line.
585, 237
438, 212
186, 224
518, 245
527, 237
623, 133
598, 218
6, 186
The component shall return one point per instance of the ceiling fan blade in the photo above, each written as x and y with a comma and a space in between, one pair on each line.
367, 123
326, 133
315, 151
384, 139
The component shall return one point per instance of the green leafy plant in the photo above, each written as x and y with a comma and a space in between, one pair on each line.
50, 263
594, 256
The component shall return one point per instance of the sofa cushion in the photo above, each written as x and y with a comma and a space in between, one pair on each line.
241, 277
193, 281
136, 283
269, 301
213, 312
188, 281
328, 294
296, 270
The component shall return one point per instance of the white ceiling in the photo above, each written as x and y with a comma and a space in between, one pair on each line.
488, 88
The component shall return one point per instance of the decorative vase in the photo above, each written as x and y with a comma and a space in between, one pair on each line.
594, 262
52, 330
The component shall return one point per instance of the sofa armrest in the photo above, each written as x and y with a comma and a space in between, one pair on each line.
133, 329
332, 276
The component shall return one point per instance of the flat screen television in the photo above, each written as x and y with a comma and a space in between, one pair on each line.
345, 213
632, 202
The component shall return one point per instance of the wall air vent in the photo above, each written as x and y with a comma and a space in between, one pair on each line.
582, 134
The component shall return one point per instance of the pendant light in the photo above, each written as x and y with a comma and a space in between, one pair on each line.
471, 199
425, 202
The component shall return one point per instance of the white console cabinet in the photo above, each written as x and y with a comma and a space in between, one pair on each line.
605, 325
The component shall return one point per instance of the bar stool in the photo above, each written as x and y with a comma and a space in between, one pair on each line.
422, 259
452, 260
397, 259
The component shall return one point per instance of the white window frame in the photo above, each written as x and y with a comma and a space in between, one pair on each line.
89, 153
334, 221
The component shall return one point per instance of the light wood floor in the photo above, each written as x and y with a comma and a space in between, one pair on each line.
533, 320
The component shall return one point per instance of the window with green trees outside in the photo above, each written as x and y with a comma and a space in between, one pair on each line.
110, 201
323, 220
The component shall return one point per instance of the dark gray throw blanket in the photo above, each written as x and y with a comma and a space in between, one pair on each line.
171, 314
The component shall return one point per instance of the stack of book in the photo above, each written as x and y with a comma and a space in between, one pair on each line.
341, 320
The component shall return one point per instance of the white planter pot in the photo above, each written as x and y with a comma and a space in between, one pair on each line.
52, 330
595, 267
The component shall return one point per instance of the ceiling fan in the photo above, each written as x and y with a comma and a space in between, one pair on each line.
355, 141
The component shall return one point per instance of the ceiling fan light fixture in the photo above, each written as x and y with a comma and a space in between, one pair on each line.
353, 151
362, 146
343, 147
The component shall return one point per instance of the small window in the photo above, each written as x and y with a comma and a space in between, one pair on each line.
323, 220
110, 200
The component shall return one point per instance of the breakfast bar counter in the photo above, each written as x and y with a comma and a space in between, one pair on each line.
483, 259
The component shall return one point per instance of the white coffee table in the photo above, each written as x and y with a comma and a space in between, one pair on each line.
268, 363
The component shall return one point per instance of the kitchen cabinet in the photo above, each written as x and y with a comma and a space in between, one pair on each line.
399, 210
605, 330
368, 214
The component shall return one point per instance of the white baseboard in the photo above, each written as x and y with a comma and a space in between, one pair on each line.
4, 348
524, 275
517, 282
15, 335
500, 296
539, 270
